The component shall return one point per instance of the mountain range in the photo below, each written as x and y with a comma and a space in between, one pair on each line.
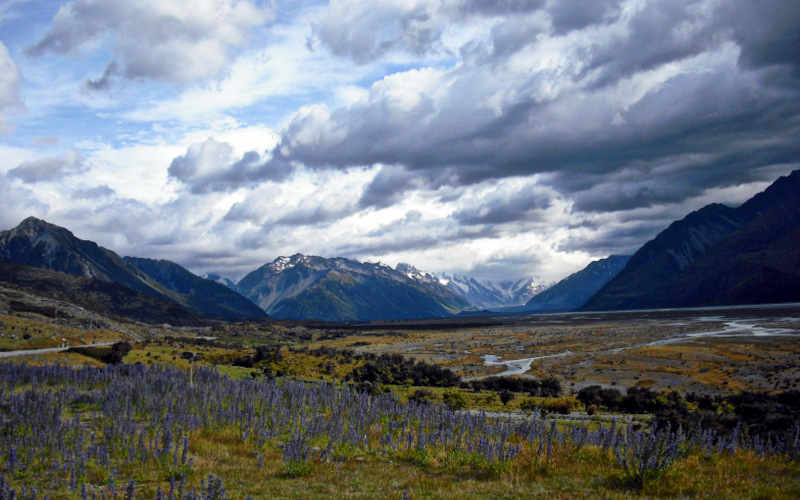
340, 289
717, 255
39, 244
486, 294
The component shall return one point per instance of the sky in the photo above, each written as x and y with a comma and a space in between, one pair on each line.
500, 139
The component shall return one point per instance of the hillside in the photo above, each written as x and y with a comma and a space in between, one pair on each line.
574, 290
42, 245
686, 264
759, 264
202, 296
100, 297
37, 243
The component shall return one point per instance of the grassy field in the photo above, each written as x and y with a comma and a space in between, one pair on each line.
681, 351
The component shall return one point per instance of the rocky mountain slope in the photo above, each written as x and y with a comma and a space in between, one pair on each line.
574, 290
207, 298
37, 243
716, 256
102, 298
339, 289
42, 245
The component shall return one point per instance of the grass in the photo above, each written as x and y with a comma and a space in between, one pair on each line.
591, 473
586, 473
435, 473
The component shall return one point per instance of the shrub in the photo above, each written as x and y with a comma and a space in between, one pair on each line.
550, 387
506, 396
454, 400
422, 396
560, 407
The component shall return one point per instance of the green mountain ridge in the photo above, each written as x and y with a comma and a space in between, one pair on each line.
201, 296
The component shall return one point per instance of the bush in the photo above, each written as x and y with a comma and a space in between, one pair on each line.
560, 407
454, 400
528, 404
550, 387
422, 396
395, 369
506, 396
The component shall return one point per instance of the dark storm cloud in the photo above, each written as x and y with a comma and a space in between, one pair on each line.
505, 207
50, 169
387, 187
207, 167
498, 7
767, 32
715, 123
569, 16
663, 32
393, 181
618, 240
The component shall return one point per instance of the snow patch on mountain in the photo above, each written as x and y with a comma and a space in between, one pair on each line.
482, 294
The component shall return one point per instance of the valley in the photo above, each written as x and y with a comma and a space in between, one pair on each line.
701, 359
716, 350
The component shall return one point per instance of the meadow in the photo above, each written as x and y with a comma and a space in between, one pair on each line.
303, 410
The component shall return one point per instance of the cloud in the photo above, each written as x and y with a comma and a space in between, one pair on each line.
613, 238
211, 166
366, 30
502, 138
106, 81
497, 7
508, 202
392, 182
656, 89
19, 202
10, 81
570, 16
305, 200
181, 41
92, 193
50, 169
767, 32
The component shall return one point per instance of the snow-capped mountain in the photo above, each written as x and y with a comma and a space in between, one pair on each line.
485, 294
339, 289
481, 294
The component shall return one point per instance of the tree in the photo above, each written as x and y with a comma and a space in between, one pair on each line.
506, 396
